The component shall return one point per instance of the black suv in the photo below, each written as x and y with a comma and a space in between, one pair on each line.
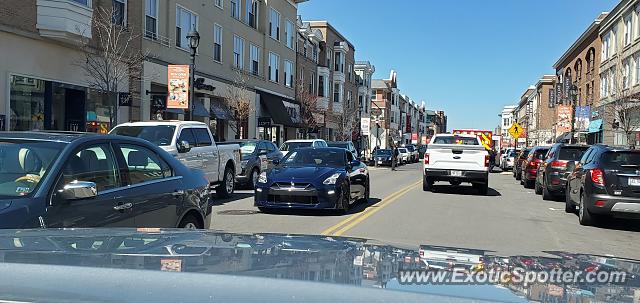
606, 181
551, 179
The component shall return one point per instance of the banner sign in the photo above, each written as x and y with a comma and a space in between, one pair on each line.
264, 122
558, 97
414, 138
124, 99
178, 79
365, 126
552, 98
564, 119
583, 115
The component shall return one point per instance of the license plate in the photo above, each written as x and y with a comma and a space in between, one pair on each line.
456, 173
634, 181
379, 161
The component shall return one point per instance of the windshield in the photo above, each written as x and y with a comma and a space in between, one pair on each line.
540, 153
23, 164
383, 152
315, 157
571, 153
402, 150
410, 148
456, 140
338, 145
289, 146
621, 159
160, 135
248, 147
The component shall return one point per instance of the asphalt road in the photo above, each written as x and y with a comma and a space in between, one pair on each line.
511, 220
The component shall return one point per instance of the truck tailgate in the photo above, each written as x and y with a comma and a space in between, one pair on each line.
457, 157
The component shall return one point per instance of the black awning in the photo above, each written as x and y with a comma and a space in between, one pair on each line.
275, 106
564, 138
199, 110
220, 110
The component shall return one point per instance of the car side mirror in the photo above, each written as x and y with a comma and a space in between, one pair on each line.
77, 190
183, 147
354, 163
276, 161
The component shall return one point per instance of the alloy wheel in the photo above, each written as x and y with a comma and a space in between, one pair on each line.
190, 225
229, 184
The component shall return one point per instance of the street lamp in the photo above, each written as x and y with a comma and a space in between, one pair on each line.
573, 94
359, 129
194, 40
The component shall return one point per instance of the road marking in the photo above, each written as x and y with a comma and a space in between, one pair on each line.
354, 219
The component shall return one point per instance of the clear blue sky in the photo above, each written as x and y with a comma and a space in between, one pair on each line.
468, 57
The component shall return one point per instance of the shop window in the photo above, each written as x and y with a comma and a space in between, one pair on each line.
27, 104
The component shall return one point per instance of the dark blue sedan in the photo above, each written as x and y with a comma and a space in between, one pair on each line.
314, 178
87, 180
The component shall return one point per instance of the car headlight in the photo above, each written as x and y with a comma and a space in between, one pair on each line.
243, 163
331, 180
263, 177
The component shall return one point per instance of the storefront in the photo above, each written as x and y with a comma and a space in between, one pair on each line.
38, 104
594, 134
279, 118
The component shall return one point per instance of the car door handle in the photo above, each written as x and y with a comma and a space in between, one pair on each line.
122, 207
178, 193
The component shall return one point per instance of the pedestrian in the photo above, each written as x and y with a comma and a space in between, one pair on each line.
394, 157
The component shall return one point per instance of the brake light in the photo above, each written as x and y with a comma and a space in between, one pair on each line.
533, 164
487, 159
559, 164
597, 176
426, 158
599, 203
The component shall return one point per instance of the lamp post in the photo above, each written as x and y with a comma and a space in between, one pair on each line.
573, 93
359, 129
194, 40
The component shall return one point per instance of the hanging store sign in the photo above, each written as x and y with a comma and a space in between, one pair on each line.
178, 79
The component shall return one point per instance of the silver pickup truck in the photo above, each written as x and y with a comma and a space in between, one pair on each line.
191, 142
456, 159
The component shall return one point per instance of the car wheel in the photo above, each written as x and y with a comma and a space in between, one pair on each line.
568, 204
225, 189
538, 188
264, 210
253, 178
344, 200
427, 184
367, 192
546, 195
190, 222
518, 176
584, 216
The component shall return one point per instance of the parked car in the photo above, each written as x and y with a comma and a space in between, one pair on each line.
456, 159
257, 156
551, 179
421, 150
86, 180
383, 157
314, 178
191, 142
508, 160
505, 154
605, 182
295, 144
413, 152
348, 145
517, 165
529, 166
404, 156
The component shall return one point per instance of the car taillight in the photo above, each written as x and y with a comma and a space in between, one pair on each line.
487, 160
426, 158
533, 164
597, 176
558, 164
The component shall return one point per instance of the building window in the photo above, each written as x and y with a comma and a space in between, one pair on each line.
628, 29
312, 83
612, 81
349, 98
255, 60
274, 24
86, 3
119, 12
274, 63
637, 76
289, 29
321, 92
606, 45
336, 92
339, 67
626, 69
578, 69
350, 71
315, 54
604, 85
185, 22
301, 75
252, 13
151, 19
235, 9
218, 3
288, 73
217, 43
329, 57
238, 52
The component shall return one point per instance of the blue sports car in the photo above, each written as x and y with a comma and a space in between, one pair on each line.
314, 178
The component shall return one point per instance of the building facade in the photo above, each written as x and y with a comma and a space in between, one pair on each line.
578, 80
385, 112
544, 112
364, 73
523, 114
506, 121
308, 90
619, 33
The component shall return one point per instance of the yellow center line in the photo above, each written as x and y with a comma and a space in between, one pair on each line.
354, 219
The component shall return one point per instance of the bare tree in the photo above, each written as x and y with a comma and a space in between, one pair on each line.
111, 57
622, 111
239, 102
347, 121
308, 107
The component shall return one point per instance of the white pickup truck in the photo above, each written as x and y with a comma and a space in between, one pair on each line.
191, 142
456, 159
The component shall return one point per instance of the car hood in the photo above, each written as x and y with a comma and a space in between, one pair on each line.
301, 174
352, 261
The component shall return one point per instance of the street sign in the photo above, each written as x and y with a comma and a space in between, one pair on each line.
365, 126
515, 130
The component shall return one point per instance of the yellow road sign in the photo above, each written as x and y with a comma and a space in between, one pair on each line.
515, 130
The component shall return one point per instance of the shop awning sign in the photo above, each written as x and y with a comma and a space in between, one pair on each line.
178, 80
